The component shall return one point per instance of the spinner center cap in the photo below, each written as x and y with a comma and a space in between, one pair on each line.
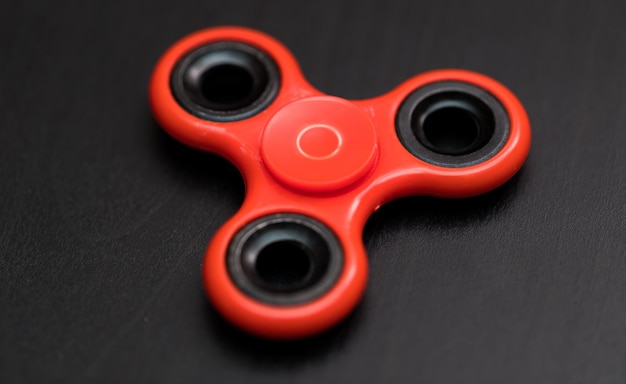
319, 144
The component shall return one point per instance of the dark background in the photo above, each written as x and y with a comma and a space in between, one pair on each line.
105, 219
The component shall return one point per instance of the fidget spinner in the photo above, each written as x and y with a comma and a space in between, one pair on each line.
291, 262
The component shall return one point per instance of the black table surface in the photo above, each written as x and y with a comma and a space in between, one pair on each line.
105, 218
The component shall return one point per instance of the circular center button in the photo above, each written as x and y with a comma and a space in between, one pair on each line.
319, 144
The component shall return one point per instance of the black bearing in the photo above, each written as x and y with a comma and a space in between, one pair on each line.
452, 124
285, 259
225, 81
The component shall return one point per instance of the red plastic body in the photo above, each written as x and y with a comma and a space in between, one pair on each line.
328, 158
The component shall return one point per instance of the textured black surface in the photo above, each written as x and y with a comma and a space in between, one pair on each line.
104, 219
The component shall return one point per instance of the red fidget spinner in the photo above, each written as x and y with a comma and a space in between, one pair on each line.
291, 262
